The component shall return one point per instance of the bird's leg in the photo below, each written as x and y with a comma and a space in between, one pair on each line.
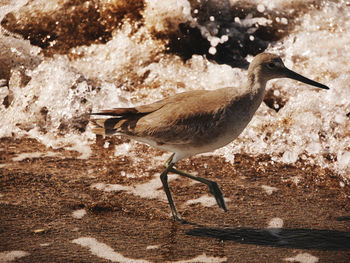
213, 186
164, 179
168, 162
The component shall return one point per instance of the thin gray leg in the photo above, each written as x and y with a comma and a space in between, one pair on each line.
213, 186
164, 179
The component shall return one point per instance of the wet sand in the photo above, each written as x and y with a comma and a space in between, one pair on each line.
38, 195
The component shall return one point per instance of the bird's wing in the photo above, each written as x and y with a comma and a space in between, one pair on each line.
177, 119
143, 109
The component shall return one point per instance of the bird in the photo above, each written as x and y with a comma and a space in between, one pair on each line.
196, 121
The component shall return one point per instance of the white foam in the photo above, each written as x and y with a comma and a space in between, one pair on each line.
33, 155
45, 244
203, 259
261, 8
129, 175
275, 226
303, 258
23, 156
269, 189
150, 247
275, 222
312, 123
227, 152
106, 145
150, 190
8, 256
212, 50
50, 88
80, 213
344, 159
104, 251
290, 156
296, 179
139, 158
205, 200
82, 148
161, 14
311, 113
249, 21
122, 149
277, 4
111, 187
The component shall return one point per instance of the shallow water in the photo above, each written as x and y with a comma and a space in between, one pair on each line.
61, 60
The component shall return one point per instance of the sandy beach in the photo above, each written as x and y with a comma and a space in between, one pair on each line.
276, 212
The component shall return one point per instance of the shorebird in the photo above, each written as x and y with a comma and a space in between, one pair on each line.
197, 121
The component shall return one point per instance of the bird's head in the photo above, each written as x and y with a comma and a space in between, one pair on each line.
266, 66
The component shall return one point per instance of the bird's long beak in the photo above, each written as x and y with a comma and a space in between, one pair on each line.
293, 75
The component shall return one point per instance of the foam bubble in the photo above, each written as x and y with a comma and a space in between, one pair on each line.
261, 8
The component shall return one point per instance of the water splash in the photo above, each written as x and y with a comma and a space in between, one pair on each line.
48, 96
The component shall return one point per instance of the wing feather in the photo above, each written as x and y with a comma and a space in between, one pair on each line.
184, 117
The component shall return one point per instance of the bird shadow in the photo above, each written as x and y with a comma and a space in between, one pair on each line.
278, 237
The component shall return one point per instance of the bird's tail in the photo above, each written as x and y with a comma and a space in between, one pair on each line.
105, 126
118, 120
98, 126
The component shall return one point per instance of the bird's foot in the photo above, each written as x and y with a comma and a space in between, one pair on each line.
216, 192
178, 219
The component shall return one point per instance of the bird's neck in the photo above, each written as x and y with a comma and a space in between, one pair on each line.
256, 85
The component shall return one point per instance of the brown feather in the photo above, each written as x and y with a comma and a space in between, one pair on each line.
174, 120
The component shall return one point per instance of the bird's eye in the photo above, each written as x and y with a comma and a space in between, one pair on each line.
271, 65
